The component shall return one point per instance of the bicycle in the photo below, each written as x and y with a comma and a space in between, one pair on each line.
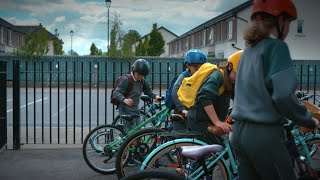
103, 142
225, 168
146, 111
137, 146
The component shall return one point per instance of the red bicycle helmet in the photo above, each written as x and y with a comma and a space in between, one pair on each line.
274, 8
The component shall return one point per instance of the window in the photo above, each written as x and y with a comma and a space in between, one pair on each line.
204, 38
221, 55
1, 36
300, 26
229, 35
211, 38
10, 38
192, 41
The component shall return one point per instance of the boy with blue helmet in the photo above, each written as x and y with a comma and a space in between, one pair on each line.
193, 61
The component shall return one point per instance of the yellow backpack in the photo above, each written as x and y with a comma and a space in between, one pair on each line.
189, 88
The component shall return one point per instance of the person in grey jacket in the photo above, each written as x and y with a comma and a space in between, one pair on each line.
130, 105
264, 95
193, 61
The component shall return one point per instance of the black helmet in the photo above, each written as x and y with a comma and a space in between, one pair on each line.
141, 66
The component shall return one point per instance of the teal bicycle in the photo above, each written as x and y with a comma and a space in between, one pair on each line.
102, 143
218, 162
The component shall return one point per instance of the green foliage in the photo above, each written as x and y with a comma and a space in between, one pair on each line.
140, 50
57, 46
94, 50
116, 37
35, 43
156, 42
128, 40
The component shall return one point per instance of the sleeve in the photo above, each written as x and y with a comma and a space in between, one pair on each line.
147, 90
210, 89
174, 94
121, 89
282, 81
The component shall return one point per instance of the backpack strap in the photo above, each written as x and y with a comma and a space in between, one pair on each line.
130, 84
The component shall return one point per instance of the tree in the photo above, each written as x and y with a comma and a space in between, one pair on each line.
74, 53
116, 37
93, 49
156, 42
145, 47
128, 40
35, 43
57, 44
140, 49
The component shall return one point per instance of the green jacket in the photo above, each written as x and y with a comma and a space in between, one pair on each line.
208, 95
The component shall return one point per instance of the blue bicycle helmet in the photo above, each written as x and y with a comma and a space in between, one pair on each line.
195, 56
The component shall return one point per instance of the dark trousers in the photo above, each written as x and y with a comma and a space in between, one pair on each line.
261, 151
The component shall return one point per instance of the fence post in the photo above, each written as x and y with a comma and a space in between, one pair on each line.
16, 105
3, 104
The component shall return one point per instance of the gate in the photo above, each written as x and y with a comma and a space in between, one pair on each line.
3, 104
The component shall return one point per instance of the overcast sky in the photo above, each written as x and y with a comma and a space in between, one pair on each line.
88, 18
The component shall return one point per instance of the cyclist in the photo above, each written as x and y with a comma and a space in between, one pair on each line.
193, 61
210, 106
129, 105
264, 94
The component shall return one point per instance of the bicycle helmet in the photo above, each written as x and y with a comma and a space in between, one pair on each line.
234, 59
141, 66
274, 8
195, 56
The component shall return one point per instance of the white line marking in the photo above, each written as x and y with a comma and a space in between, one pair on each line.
62, 109
28, 104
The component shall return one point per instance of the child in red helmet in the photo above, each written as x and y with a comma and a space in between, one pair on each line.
264, 95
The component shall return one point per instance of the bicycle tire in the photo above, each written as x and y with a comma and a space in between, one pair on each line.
122, 155
91, 149
152, 161
154, 174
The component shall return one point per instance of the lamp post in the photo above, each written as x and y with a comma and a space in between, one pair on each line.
71, 34
108, 4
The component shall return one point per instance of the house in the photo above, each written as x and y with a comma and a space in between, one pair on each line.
221, 36
167, 37
32, 29
12, 37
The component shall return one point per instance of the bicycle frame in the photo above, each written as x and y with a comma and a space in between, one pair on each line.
159, 117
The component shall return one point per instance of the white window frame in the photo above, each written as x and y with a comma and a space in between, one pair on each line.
230, 29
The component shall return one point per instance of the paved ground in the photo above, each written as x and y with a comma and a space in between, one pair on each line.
46, 164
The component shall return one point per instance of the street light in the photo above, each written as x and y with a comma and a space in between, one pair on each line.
71, 34
108, 4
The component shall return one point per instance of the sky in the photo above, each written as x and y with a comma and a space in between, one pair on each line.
89, 18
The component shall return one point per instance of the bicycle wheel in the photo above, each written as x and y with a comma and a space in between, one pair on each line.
134, 149
167, 157
154, 174
94, 153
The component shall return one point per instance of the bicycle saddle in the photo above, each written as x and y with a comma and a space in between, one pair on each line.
197, 152
129, 117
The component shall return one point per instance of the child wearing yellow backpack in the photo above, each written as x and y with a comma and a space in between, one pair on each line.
193, 61
212, 98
